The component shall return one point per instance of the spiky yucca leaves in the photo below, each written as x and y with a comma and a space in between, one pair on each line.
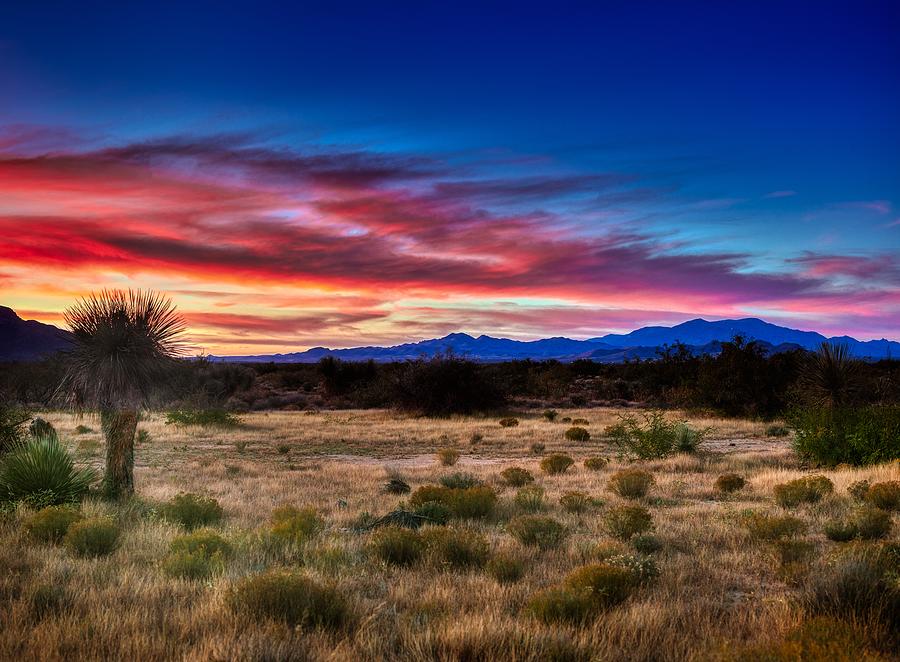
829, 377
41, 473
125, 342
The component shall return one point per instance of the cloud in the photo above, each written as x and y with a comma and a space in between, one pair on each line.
781, 194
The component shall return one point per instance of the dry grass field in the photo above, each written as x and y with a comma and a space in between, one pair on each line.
720, 593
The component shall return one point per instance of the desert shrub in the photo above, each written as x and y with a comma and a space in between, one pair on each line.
556, 463
460, 481
728, 483
41, 473
397, 546
792, 551
872, 523
646, 543
83, 429
853, 435
819, 639
505, 568
537, 531
448, 456
192, 510
885, 495
42, 429
550, 414
438, 513
607, 584
840, 530
858, 489
809, 489
396, 485
516, 476
290, 598
776, 430
562, 605
197, 555
295, 526
143, 437
202, 541
575, 502
214, 418
456, 549
469, 503
537, 448
655, 437
509, 422
580, 421
96, 536
764, 526
623, 522
595, 463
642, 568
530, 499
283, 449
566, 419
577, 434
631, 483
50, 524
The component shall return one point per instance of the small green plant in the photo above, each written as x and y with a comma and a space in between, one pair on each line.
283, 449
291, 598
41, 473
92, 537
216, 418
460, 481
50, 524
537, 448
516, 476
606, 584
687, 439
729, 483
397, 546
646, 543
438, 513
595, 463
885, 495
631, 483
556, 463
295, 526
642, 567
764, 526
530, 498
448, 456
469, 503
858, 490
455, 548
623, 522
537, 531
809, 489
840, 530
192, 510
575, 502
655, 437
143, 437
550, 414
577, 433
505, 568
197, 555
509, 422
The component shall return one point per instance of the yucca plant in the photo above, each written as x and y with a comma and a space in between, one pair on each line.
40, 472
830, 376
124, 345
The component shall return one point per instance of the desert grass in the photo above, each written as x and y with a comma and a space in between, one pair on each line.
717, 590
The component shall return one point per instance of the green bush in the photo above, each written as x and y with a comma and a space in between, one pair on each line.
202, 541
516, 476
728, 483
192, 510
623, 522
460, 481
530, 499
655, 437
469, 503
646, 543
631, 483
550, 414
456, 549
606, 583
41, 473
575, 502
438, 513
764, 526
214, 418
872, 523
595, 463
295, 526
92, 537
505, 568
809, 489
885, 495
578, 434
509, 422
537, 531
290, 598
448, 456
562, 605
197, 555
397, 546
556, 463
840, 530
847, 435
50, 524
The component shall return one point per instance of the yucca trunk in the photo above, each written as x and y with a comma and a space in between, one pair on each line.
119, 427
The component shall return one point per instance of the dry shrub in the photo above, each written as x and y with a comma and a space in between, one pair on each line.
556, 463
575, 502
595, 463
460, 480
646, 543
530, 499
623, 522
516, 476
50, 524
631, 483
537, 531
509, 422
456, 548
192, 511
438, 513
586, 591
537, 448
820, 639
885, 495
764, 526
728, 483
550, 414
469, 503
577, 433
562, 605
197, 555
865, 523
290, 598
505, 568
294, 526
858, 489
809, 489
448, 456
92, 537
397, 546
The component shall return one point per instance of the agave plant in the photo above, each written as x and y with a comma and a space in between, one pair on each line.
125, 343
40, 472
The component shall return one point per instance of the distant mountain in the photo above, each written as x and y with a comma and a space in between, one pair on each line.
22, 340
701, 336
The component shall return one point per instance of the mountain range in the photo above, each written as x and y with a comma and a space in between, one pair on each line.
22, 340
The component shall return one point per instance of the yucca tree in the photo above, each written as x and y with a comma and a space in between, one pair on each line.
830, 375
124, 346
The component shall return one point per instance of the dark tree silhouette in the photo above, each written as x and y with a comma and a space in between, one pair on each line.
125, 343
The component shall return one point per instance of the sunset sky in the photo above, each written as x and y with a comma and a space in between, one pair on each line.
343, 175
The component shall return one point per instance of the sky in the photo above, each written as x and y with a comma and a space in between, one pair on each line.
346, 174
